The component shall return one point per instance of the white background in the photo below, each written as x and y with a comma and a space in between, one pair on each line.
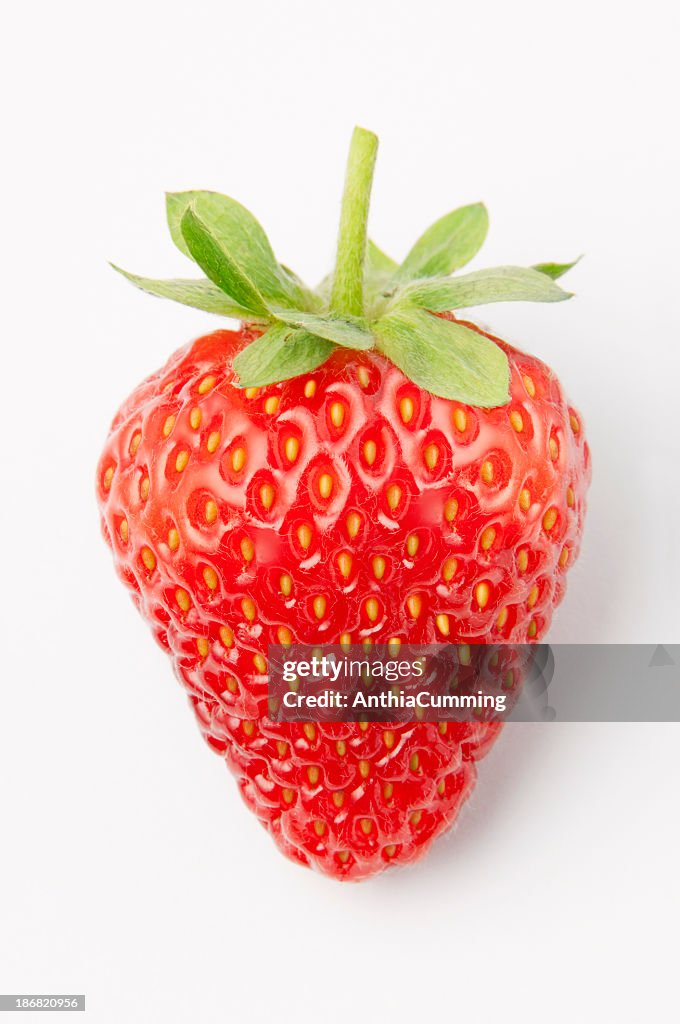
129, 868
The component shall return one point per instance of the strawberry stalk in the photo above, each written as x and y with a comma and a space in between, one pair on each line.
347, 296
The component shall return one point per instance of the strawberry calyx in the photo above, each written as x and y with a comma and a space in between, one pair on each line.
370, 301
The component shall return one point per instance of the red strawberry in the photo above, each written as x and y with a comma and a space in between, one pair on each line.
345, 470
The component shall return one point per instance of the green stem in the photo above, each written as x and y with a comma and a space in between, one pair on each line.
347, 296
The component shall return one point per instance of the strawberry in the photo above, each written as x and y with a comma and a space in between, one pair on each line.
354, 464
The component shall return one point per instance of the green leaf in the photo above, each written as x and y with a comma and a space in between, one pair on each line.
449, 244
199, 294
218, 264
499, 284
445, 358
345, 331
240, 234
378, 262
555, 270
279, 354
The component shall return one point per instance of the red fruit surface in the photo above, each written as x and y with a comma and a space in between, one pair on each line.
345, 505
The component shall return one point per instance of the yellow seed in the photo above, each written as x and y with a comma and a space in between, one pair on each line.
238, 459
388, 790
182, 599
206, 384
533, 629
372, 607
304, 535
443, 624
168, 425
570, 497
282, 748
378, 565
291, 448
288, 795
202, 646
564, 557
464, 654
502, 618
124, 531
181, 460
554, 450
406, 409
393, 645
260, 664
345, 640
212, 444
341, 748
516, 421
529, 386
338, 798
431, 454
574, 423
267, 495
390, 850
284, 636
486, 472
345, 563
325, 485
460, 419
210, 577
363, 376
443, 728
370, 452
108, 477
393, 495
415, 817
415, 605
252, 392
149, 559
414, 762
135, 443
525, 499
337, 414
482, 594
388, 739
451, 509
226, 636
319, 604
353, 524
441, 786
271, 404
144, 488
343, 856
210, 511
313, 774
319, 827
449, 569
285, 584
364, 769
533, 597
248, 608
549, 519
310, 389
173, 539
363, 726
247, 549
195, 417
366, 825
412, 544
232, 685
487, 538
